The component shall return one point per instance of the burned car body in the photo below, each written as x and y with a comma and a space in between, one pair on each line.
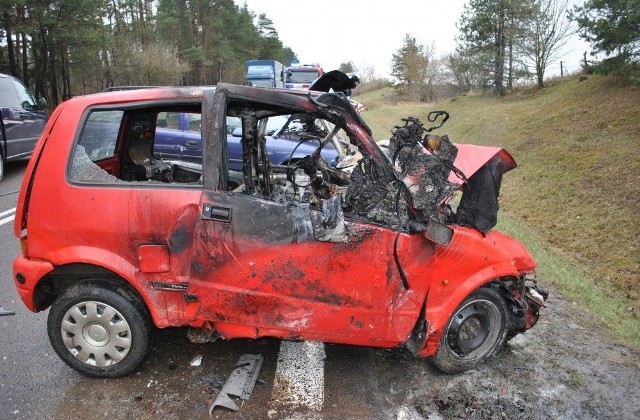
370, 255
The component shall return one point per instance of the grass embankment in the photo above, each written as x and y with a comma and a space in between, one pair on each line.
575, 197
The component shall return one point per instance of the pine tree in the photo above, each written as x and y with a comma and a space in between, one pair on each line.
410, 65
613, 28
490, 34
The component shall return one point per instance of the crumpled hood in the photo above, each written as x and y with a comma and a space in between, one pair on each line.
471, 158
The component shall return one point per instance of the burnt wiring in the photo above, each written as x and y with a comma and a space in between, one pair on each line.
433, 117
292, 165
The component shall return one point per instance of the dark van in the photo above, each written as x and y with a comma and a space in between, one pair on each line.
22, 120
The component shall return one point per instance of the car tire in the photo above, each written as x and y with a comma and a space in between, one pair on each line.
477, 329
100, 330
1, 166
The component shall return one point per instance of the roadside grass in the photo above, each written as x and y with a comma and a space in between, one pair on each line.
577, 186
564, 275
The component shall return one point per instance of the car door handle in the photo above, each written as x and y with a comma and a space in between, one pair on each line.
192, 143
211, 212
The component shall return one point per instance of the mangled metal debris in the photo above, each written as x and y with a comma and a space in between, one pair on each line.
240, 383
423, 164
329, 224
5, 312
411, 195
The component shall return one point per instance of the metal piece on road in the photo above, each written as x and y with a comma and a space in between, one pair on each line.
240, 383
197, 360
5, 312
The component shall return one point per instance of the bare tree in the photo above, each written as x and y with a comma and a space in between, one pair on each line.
367, 74
549, 31
139, 64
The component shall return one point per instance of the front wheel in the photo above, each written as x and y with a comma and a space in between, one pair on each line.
477, 329
99, 331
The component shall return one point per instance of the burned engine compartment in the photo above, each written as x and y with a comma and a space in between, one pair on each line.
409, 190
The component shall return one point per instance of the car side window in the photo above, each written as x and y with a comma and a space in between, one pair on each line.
284, 155
123, 146
168, 120
24, 96
195, 122
8, 94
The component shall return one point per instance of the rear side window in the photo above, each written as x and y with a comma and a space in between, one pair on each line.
100, 134
14, 94
8, 94
139, 146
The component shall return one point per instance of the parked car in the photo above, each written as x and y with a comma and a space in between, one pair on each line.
178, 137
374, 255
22, 120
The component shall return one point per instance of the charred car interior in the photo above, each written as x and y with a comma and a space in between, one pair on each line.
341, 240
118, 146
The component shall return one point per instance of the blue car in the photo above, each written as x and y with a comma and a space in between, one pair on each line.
288, 139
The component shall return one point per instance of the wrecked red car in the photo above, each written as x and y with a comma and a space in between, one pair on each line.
118, 241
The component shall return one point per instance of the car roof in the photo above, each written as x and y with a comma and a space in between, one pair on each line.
8, 76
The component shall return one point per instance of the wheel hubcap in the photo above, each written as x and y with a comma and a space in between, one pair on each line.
474, 329
96, 333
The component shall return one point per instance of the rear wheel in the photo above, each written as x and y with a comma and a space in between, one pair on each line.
99, 331
477, 329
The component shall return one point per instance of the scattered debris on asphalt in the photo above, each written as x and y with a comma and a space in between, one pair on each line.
240, 383
197, 360
5, 312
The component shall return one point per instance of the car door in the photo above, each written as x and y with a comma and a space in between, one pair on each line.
260, 269
169, 136
192, 146
22, 121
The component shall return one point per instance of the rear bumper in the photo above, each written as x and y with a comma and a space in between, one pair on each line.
26, 276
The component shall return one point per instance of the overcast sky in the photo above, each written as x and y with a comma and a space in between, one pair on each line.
367, 33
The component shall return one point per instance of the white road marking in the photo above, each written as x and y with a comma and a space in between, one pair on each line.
299, 379
4, 213
7, 219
